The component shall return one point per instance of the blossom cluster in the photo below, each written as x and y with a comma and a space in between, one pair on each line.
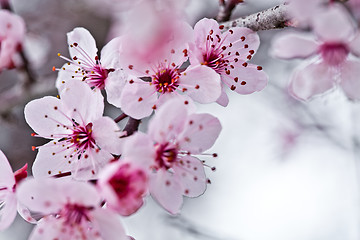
91, 171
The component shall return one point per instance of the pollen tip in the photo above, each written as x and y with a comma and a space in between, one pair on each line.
33, 134
33, 148
59, 54
53, 68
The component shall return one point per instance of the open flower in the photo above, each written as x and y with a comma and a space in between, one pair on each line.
123, 185
85, 65
71, 210
82, 140
336, 39
8, 202
12, 33
169, 151
227, 54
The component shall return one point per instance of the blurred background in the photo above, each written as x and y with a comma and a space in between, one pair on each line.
286, 170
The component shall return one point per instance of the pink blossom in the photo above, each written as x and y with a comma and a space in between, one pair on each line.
228, 53
123, 185
82, 140
85, 65
336, 39
174, 138
8, 201
12, 33
71, 210
165, 79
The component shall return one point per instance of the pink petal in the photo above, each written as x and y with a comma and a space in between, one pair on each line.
57, 228
246, 80
293, 45
167, 191
108, 224
200, 133
223, 100
123, 185
314, 79
84, 40
67, 75
49, 195
202, 28
51, 160
202, 84
241, 40
46, 116
334, 24
168, 121
139, 149
8, 210
84, 109
107, 135
354, 45
6, 174
110, 54
114, 86
137, 99
25, 213
350, 82
191, 176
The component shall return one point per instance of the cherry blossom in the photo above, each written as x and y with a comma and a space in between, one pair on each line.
85, 65
12, 33
331, 65
82, 140
71, 210
8, 201
123, 185
174, 138
228, 53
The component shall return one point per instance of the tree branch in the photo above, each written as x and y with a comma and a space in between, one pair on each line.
272, 18
131, 126
225, 9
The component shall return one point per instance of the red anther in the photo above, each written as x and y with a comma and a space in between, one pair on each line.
53, 68
33, 148
33, 134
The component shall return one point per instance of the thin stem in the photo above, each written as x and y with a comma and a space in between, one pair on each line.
226, 8
26, 67
131, 126
121, 117
64, 174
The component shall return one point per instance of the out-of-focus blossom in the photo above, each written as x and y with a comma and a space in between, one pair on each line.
174, 138
336, 39
8, 201
355, 7
123, 185
166, 79
71, 210
228, 53
85, 65
82, 139
12, 33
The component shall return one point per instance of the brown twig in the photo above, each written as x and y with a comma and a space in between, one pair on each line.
226, 8
120, 117
131, 126
272, 18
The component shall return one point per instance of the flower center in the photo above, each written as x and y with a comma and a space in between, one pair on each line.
166, 155
74, 213
214, 60
334, 53
166, 80
82, 137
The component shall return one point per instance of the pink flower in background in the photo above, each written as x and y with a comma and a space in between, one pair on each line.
82, 140
71, 210
123, 185
85, 65
336, 39
169, 150
165, 79
8, 203
227, 54
12, 33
